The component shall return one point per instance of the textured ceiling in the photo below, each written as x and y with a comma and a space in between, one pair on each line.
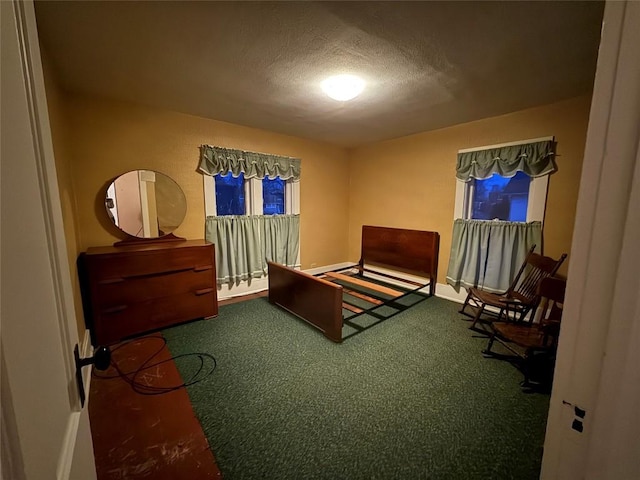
427, 64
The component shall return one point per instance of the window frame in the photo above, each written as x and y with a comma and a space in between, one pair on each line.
538, 189
253, 196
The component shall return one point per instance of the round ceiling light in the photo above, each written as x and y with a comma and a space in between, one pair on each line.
343, 87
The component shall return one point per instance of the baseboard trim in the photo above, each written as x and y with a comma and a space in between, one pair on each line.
243, 288
446, 291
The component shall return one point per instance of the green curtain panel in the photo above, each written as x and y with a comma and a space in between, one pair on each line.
535, 159
281, 238
469, 245
218, 160
488, 254
245, 243
239, 250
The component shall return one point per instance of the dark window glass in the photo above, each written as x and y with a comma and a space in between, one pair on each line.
230, 194
501, 198
273, 196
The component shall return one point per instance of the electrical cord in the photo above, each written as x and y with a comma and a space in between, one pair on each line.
143, 388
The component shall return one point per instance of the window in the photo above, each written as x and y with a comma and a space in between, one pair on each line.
273, 196
501, 198
520, 198
229, 194
225, 195
473, 205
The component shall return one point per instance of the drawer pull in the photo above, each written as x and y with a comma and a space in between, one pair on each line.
157, 274
203, 291
116, 309
202, 268
109, 281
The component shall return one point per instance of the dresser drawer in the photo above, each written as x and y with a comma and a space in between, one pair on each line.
128, 320
120, 266
128, 290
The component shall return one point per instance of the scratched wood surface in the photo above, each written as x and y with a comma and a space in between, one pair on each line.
139, 436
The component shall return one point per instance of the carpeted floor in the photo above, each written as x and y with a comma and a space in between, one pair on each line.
411, 398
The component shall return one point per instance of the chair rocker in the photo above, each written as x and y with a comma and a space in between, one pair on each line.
520, 299
533, 344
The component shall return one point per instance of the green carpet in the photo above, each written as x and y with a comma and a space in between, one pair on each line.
410, 398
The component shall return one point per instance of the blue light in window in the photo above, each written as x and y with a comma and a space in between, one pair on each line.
501, 198
273, 196
229, 194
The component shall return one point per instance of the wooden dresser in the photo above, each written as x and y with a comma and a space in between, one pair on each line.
130, 290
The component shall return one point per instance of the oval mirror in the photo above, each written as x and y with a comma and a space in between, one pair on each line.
145, 204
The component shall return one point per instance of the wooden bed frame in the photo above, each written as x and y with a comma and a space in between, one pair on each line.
319, 300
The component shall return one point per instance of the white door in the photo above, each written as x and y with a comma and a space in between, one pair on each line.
45, 434
597, 369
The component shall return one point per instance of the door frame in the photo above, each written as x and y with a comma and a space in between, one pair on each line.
73, 456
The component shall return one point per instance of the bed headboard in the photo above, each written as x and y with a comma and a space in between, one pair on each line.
412, 251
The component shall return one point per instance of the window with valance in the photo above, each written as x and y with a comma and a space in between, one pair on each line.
252, 206
501, 195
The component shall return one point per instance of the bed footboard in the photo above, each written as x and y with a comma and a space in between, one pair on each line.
316, 301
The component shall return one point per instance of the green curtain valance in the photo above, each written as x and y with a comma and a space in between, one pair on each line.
215, 160
534, 159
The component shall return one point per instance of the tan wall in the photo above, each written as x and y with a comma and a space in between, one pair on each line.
110, 138
60, 138
419, 192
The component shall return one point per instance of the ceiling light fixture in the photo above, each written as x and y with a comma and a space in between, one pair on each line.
343, 87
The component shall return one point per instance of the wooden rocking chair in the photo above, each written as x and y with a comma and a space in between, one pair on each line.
521, 298
534, 343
